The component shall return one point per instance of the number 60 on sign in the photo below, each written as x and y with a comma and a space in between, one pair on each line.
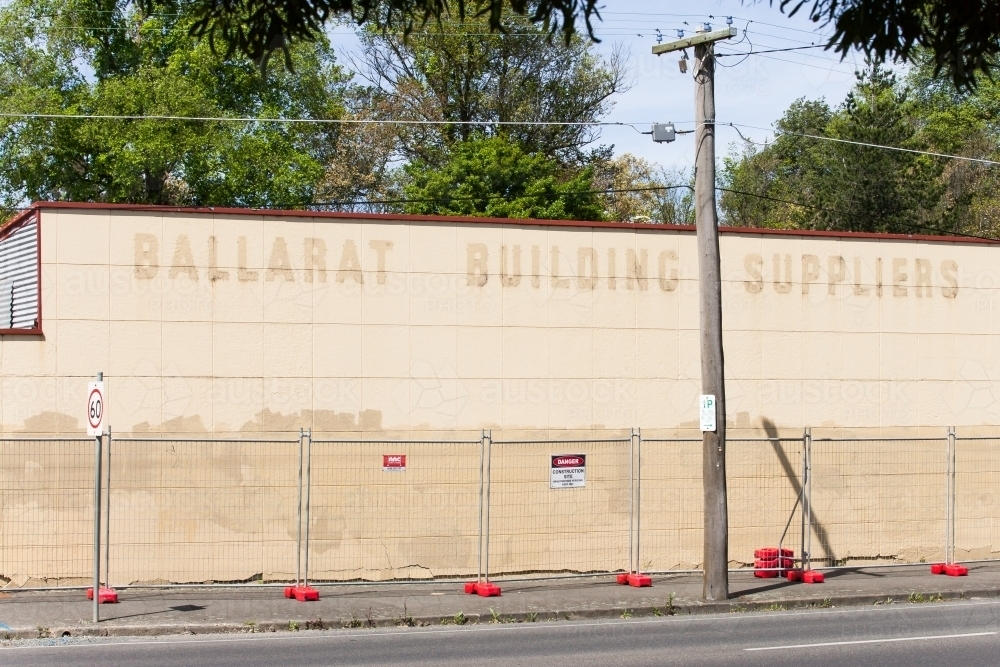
95, 408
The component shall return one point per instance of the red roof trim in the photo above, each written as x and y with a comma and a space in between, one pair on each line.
392, 217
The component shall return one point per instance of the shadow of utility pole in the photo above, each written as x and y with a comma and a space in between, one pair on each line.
817, 526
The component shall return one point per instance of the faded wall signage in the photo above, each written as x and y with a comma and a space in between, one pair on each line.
899, 276
554, 267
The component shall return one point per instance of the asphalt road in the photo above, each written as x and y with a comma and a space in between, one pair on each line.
907, 635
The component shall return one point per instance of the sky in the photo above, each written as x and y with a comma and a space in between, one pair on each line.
754, 92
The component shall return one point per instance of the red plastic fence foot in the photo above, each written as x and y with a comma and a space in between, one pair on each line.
104, 595
793, 575
812, 577
487, 590
765, 574
768, 568
637, 580
301, 593
937, 568
956, 570
770, 553
483, 589
622, 578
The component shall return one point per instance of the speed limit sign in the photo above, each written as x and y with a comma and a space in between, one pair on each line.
95, 408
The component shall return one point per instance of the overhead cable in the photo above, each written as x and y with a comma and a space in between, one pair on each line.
331, 121
777, 134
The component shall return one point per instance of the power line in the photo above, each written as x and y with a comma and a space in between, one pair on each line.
757, 53
332, 121
736, 127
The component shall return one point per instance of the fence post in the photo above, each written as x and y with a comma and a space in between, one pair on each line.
488, 443
298, 518
635, 481
631, 503
97, 528
949, 544
482, 460
305, 580
807, 500
107, 519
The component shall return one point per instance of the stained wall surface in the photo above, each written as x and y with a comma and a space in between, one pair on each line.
249, 323
210, 325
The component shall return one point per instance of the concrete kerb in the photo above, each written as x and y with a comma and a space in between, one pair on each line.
672, 607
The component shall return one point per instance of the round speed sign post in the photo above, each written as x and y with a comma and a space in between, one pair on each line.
95, 424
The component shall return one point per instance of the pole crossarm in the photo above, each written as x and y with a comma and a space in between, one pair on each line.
694, 40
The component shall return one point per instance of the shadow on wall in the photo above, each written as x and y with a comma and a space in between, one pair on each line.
817, 526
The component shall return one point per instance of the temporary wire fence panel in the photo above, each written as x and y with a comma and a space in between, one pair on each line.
579, 527
670, 505
394, 511
46, 512
878, 500
202, 511
977, 498
764, 479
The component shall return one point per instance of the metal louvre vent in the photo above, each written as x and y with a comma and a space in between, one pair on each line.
19, 277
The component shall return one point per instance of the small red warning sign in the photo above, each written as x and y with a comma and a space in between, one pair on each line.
394, 462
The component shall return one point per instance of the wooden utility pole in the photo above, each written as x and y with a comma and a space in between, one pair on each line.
716, 517
716, 561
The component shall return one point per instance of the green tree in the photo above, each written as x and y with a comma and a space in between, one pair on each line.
801, 182
460, 83
864, 188
762, 184
965, 123
495, 177
464, 75
104, 57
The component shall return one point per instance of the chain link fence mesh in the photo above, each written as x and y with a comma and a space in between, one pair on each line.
414, 517
670, 505
878, 501
977, 498
46, 512
535, 529
210, 511
202, 511
765, 481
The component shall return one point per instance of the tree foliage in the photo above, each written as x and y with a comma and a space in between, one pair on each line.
966, 123
637, 191
258, 28
963, 36
466, 76
803, 182
457, 84
56, 58
496, 177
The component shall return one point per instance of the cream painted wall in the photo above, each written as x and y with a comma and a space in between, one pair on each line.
222, 323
